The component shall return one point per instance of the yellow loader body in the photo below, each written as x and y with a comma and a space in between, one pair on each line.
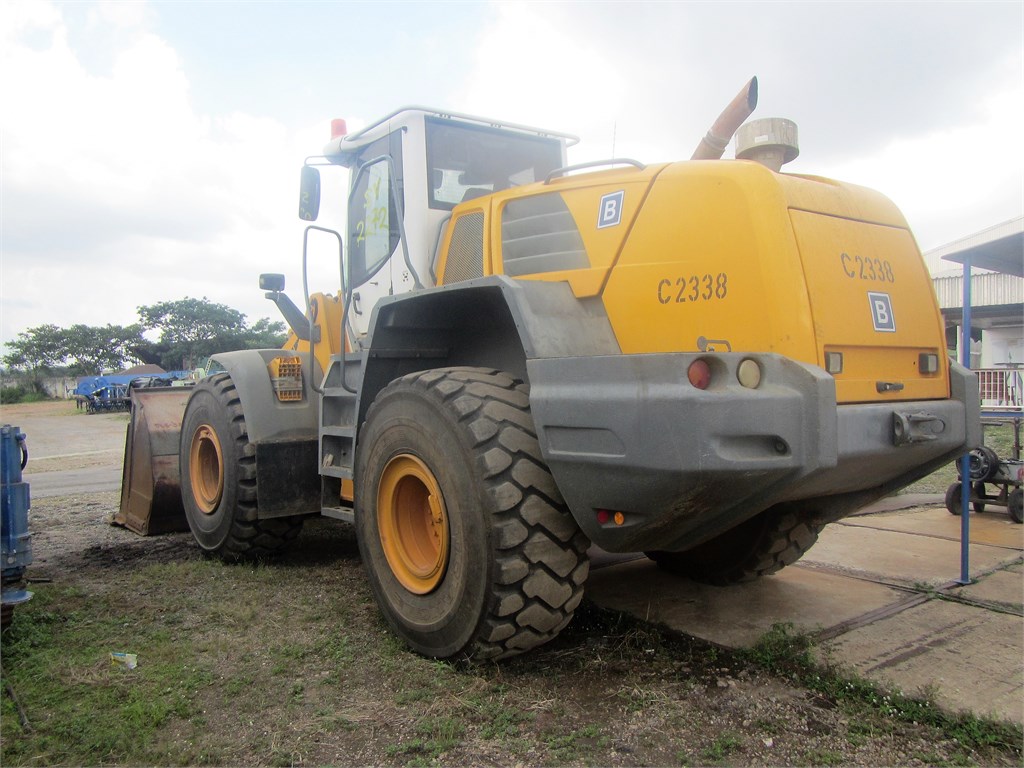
750, 261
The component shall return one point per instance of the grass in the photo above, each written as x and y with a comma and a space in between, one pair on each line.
721, 748
92, 707
578, 744
435, 736
871, 709
290, 664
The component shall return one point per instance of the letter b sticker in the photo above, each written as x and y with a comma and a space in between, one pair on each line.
610, 213
881, 312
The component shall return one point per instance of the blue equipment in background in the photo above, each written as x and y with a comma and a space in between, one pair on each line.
16, 550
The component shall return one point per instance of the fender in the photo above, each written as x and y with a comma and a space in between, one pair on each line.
493, 322
284, 434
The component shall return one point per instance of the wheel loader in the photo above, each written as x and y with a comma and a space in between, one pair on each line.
705, 361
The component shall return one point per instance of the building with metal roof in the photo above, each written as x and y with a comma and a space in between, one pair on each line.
996, 295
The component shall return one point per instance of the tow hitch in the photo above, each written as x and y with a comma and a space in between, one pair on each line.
908, 428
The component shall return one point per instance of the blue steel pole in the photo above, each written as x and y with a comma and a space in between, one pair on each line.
965, 462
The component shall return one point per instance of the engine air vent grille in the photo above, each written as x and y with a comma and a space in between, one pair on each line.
539, 234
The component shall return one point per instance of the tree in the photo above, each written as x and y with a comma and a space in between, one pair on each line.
193, 329
82, 349
38, 350
190, 331
92, 349
266, 334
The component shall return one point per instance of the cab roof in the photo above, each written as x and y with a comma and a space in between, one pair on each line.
404, 116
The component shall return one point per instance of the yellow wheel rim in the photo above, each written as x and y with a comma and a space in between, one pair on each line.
206, 469
413, 524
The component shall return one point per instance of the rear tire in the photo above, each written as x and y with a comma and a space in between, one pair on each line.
218, 478
761, 546
469, 547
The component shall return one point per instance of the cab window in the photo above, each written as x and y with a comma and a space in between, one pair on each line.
373, 217
466, 161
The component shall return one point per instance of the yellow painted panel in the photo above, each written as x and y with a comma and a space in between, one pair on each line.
870, 291
712, 255
583, 282
327, 315
864, 367
836, 198
584, 196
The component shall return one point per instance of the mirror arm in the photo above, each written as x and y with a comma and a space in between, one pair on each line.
292, 314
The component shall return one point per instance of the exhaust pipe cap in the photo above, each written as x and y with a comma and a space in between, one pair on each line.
771, 141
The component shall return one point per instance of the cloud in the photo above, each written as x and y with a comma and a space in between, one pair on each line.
953, 181
116, 192
918, 100
148, 152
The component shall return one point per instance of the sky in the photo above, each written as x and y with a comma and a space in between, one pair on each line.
151, 150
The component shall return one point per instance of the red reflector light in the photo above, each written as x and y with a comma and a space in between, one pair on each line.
338, 128
605, 516
699, 374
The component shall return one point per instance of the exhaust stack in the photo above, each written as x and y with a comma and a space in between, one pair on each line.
713, 145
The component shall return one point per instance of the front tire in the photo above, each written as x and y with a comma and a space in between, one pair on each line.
218, 478
469, 547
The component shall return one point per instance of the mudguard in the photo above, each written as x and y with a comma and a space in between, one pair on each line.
283, 433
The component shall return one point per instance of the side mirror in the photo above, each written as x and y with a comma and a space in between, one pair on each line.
271, 282
309, 193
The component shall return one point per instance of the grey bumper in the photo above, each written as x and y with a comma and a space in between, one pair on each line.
628, 433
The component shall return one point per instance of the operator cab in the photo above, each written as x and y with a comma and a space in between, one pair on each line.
407, 172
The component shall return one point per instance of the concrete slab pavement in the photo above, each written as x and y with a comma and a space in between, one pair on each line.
969, 657
900, 557
736, 616
879, 590
1003, 589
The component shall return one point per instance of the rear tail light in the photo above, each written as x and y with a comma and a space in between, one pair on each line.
834, 362
699, 374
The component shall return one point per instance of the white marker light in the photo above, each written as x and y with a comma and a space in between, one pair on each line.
749, 374
834, 362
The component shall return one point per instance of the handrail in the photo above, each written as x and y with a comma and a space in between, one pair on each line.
305, 294
569, 138
595, 164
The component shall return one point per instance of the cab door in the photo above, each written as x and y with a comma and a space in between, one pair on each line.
373, 239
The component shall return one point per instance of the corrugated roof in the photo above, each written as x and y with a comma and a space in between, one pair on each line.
999, 248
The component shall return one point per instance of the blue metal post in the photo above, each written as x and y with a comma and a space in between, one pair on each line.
965, 462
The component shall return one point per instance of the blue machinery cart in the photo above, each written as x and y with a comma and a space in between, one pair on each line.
16, 540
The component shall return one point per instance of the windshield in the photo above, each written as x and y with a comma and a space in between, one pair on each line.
465, 161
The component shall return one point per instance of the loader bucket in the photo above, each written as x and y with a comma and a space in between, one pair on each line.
151, 482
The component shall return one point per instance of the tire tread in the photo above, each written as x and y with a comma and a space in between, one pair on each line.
249, 537
541, 561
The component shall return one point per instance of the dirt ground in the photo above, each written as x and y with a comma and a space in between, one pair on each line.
347, 694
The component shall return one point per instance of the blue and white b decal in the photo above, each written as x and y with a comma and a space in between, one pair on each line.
881, 312
610, 213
